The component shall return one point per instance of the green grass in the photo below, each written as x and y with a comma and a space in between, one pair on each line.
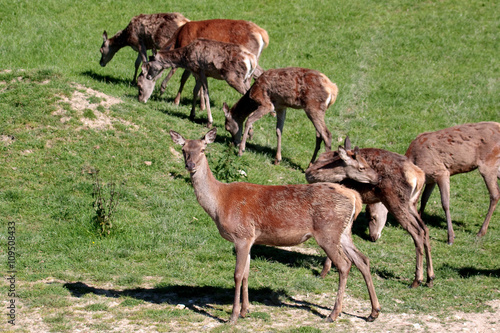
402, 67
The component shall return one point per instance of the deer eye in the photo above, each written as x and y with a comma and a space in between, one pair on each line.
361, 168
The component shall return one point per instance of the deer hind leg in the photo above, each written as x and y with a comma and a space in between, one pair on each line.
343, 265
443, 182
322, 132
280, 123
241, 272
363, 264
426, 194
166, 79
491, 183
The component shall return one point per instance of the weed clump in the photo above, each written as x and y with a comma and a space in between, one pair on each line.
106, 199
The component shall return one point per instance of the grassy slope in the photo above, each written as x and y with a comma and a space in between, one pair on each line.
402, 68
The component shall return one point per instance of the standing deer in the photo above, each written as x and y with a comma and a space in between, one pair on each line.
207, 58
398, 185
247, 214
153, 30
277, 89
455, 150
244, 33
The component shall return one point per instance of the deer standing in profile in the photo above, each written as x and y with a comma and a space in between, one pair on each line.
240, 32
276, 90
153, 31
455, 150
397, 184
208, 58
280, 215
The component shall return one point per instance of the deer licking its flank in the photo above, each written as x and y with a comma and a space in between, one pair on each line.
397, 184
455, 150
153, 31
277, 89
240, 32
208, 58
247, 214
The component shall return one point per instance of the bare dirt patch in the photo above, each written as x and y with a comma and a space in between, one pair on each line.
92, 109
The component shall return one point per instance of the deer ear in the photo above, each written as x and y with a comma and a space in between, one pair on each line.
177, 138
105, 35
225, 107
347, 143
343, 154
210, 136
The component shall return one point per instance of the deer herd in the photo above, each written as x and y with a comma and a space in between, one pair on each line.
340, 181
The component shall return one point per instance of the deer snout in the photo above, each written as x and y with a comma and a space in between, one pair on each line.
190, 166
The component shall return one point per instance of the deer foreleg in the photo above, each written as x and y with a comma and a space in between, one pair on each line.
280, 123
443, 183
184, 78
204, 95
242, 249
166, 79
254, 116
138, 62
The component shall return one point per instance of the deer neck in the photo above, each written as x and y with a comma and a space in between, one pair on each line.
206, 188
172, 58
119, 40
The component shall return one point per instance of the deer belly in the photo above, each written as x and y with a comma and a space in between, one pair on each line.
282, 238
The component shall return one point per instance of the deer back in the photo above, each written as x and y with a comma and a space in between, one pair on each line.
457, 149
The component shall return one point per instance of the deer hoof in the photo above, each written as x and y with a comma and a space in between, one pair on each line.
415, 284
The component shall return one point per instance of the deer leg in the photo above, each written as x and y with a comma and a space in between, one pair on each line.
406, 220
443, 183
138, 62
242, 249
327, 265
166, 79
426, 194
280, 123
184, 78
204, 95
254, 116
343, 265
195, 94
245, 302
491, 183
363, 264
322, 133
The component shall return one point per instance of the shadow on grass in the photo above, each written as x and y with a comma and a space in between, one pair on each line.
468, 272
105, 78
197, 299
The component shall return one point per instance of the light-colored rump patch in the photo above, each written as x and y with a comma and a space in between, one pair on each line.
250, 68
412, 177
261, 45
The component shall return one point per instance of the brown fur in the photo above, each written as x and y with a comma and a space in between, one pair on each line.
244, 33
399, 184
276, 90
455, 150
285, 215
207, 58
153, 30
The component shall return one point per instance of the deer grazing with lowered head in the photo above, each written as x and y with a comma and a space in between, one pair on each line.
240, 32
455, 150
280, 215
276, 90
380, 176
153, 31
208, 58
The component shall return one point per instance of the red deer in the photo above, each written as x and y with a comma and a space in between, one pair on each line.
455, 150
277, 89
208, 58
153, 30
244, 33
279, 215
398, 187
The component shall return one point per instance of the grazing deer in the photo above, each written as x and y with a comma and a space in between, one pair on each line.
240, 32
208, 58
154, 31
455, 150
277, 89
247, 214
398, 186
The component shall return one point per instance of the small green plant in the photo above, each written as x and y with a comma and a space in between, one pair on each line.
228, 167
106, 200
89, 114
